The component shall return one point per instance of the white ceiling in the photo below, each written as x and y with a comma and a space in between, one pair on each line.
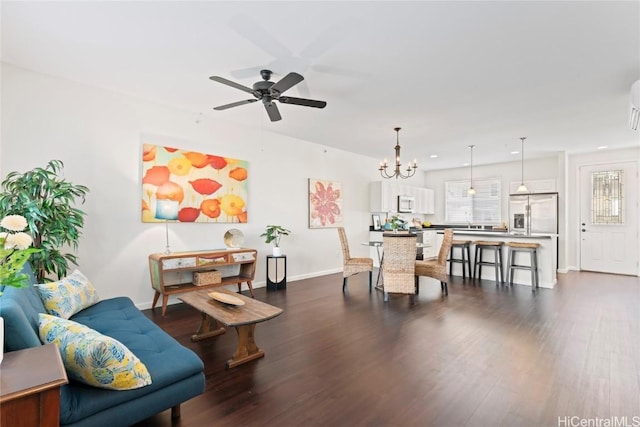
450, 73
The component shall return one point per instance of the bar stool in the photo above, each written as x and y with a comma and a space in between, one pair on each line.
496, 247
532, 249
465, 260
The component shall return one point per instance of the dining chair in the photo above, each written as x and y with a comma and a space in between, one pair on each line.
436, 268
353, 266
398, 267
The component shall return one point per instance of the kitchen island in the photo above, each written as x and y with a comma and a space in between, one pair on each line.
547, 254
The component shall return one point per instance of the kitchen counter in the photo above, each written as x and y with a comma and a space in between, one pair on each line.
489, 233
547, 254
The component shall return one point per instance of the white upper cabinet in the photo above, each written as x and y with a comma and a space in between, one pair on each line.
535, 186
427, 202
384, 197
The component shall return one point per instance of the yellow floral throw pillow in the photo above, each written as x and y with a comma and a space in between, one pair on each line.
93, 358
68, 296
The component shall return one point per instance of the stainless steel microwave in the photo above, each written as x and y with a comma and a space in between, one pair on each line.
406, 204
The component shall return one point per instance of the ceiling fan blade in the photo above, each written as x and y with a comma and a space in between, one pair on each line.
331, 37
245, 73
302, 101
287, 82
254, 32
272, 111
235, 85
234, 104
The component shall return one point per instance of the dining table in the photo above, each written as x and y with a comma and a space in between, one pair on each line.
379, 245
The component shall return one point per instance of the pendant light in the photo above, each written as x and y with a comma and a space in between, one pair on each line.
471, 190
522, 188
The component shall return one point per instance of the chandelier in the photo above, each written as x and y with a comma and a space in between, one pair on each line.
397, 173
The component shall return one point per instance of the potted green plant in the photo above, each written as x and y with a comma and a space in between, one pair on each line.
273, 234
47, 202
396, 223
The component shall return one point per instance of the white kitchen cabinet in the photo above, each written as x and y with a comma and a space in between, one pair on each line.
384, 196
425, 203
535, 186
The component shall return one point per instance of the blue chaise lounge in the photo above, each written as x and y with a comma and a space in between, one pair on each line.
176, 371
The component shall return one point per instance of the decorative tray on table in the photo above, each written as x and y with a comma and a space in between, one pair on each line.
226, 298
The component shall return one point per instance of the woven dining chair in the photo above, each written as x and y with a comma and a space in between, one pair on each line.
436, 268
398, 267
353, 266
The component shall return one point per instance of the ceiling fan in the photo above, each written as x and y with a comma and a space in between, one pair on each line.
268, 91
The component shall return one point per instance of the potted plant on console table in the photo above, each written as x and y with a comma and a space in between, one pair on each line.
272, 234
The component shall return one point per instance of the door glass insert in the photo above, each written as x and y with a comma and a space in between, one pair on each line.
607, 198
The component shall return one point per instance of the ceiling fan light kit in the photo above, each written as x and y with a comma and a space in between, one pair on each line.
397, 173
268, 92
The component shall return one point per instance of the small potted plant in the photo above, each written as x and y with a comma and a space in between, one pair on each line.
272, 234
396, 223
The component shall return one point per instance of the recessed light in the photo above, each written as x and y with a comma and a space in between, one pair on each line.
433, 156
515, 152
465, 164
602, 147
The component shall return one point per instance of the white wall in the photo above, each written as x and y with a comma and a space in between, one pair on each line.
98, 136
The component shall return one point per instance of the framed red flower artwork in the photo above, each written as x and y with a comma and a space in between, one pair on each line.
325, 204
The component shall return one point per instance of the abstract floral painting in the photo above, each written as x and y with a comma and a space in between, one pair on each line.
325, 203
187, 186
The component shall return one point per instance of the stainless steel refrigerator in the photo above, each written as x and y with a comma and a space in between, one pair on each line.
533, 213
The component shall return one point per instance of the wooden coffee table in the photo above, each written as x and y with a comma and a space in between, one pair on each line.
217, 315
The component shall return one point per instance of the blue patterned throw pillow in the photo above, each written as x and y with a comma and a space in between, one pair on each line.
93, 358
68, 296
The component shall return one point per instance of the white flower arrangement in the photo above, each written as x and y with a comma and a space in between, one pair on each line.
15, 250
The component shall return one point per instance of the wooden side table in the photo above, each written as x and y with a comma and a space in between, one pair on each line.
30, 382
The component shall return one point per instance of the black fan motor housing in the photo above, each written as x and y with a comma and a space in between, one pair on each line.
262, 86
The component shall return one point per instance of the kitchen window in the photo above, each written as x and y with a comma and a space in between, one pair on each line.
482, 208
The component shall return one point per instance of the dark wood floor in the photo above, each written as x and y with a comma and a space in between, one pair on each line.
483, 356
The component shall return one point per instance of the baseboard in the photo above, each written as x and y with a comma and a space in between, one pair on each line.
256, 285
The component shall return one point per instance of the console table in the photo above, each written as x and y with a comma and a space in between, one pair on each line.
30, 383
172, 273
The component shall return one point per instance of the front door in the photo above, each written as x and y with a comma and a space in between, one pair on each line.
609, 218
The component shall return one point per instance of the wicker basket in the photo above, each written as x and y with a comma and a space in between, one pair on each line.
202, 278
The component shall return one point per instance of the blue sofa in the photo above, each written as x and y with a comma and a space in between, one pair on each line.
176, 372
